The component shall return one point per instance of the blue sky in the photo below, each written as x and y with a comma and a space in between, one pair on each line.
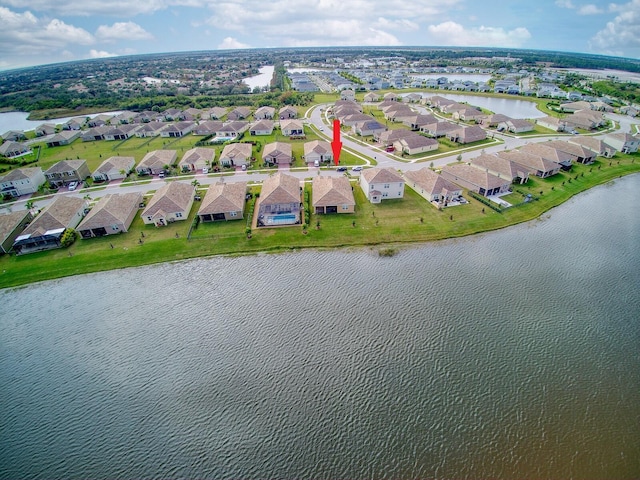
44, 31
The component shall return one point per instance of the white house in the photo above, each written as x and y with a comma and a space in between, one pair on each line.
381, 184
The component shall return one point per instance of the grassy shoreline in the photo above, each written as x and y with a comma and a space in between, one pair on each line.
403, 221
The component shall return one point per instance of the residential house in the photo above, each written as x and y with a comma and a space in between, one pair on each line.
45, 129
439, 129
13, 135
99, 120
292, 128
121, 132
541, 149
176, 130
492, 121
114, 168
22, 181
208, 127
277, 153
395, 113
261, 127
74, 123
416, 121
539, 166
151, 129
280, 201
600, 147
501, 167
415, 144
94, 134
65, 137
192, 114
155, 162
516, 125
475, 179
287, 112
265, 113
67, 171
412, 98
196, 159
347, 94
46, 230
579, 153
332, 195
318, 151
368, 128
630, 110
623, 142
11, 149
571, 107
371, 97
464, 135
124, 118
112, 214
432, 186
388, 137
216, 113
390, 96
468, 114
239, 113
351, 119
552, 123
381, 184
223, 201
173, 115
11, 225
232, 130
236, 155
171, 203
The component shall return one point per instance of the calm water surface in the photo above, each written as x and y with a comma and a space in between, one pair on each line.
514, 354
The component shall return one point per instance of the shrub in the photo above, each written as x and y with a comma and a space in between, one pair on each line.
68, 237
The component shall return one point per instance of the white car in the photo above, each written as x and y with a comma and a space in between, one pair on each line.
356, 169
205, 170
73, 186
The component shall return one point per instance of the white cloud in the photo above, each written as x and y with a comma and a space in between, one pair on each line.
451, 33
564, 4
230, 43
621, 36
122, 31
590, 10
100, 7
101, 54
25, 34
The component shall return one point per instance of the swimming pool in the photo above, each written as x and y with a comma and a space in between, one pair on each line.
281, 219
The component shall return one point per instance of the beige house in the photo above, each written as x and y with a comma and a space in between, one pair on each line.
171, 203
112, 214
428, 184
280, 201
464, 135
261, 127
580, 153
623, 142
196, 159
47, 229
22, 181
265, 113
332, 195
318, 151
539, 166
67, 171
11, 149
381, 184
292, 128
154, 162
287, 112
11, 225
475, 179
114, 168
415, 144
277, 153
600, 147
236, 155
501, 167
223, 201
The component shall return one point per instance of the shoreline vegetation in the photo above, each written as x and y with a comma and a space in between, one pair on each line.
409, 220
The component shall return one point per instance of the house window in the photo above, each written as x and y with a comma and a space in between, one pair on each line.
385, 194
386, 185
149, 218
345, 207
178, 214
233, 214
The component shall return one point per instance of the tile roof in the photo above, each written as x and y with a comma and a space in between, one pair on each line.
224, 197
430, 181
280, 188
170, 198
58, 214
331, 191
111, 209
381, 175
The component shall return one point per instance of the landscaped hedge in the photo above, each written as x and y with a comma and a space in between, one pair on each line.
486, 201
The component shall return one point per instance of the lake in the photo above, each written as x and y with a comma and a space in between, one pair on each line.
18, 120
454, 77
512, 107
513, 354
262, 80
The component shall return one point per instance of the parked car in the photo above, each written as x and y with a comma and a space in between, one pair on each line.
356, 169
73, 186
205, 170
341, 169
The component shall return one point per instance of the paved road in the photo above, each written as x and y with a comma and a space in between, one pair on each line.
316, 118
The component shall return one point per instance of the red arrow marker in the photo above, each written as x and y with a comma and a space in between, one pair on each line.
336, 144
